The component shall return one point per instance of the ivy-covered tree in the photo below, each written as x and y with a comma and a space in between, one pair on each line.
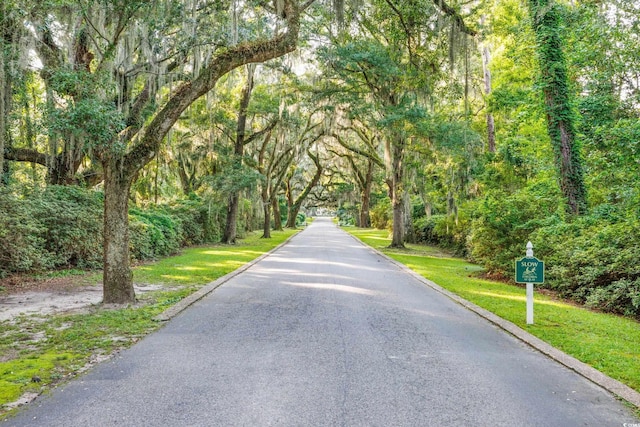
546, 21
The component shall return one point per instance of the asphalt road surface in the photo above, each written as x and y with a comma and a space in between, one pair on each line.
324, 332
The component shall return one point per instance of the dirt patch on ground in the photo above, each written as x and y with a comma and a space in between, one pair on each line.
27, 302
23, 295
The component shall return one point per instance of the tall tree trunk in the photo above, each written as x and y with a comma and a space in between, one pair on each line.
365, 196
292, 215
266, 207
118, 278
230, 230
277, 215
560, 117
397, 191
409, 231
8, 36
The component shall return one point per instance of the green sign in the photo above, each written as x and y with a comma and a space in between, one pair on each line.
529, 270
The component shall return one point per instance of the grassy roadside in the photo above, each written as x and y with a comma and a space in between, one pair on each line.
608, 343
37, 353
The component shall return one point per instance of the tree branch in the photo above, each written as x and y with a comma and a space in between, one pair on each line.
222, 63
457, 18
25, 155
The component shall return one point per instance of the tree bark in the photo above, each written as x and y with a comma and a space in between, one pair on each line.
266, 206
409, 231
117, 275
5, 87
394, 154
277, 215
61, 169
365, 196
7, 47
231, 227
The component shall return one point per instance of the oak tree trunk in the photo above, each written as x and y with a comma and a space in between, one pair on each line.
118, 278
295, 205
409, 231
266, 206
294, 209
4, 88
397, 192
365, 196
277, 215
231, 228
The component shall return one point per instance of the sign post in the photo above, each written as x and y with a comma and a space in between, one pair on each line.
529, 270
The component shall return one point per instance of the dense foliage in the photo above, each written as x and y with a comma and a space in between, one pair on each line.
61, 227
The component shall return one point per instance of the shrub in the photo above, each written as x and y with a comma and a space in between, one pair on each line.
381, 215
72, 217
443, 231
189, 213
153, 233
21, 241
301, 219
347, 214
505, 222
62, 227
621, 297
594, 262
58, 227
425, 231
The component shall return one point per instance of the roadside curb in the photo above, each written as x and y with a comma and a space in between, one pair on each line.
613, 386
184, 303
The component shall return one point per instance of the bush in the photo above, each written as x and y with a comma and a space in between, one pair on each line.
153, 233
62, 227
347, 214
621, 297
595, 262
59, 227
21, 237
443, 231
191, 216
73, 219
381, 215
505, 222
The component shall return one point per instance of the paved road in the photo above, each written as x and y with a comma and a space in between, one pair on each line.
325, 333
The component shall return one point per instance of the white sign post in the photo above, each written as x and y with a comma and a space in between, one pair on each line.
529, 270
529, 289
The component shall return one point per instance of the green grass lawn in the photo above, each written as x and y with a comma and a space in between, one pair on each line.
201, 265
609, 343
37, 353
